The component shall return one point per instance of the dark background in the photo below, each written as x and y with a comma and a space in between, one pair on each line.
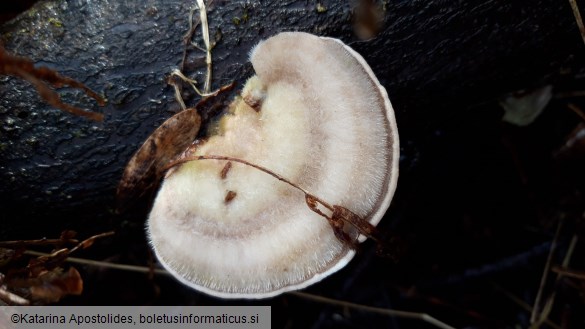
478, 200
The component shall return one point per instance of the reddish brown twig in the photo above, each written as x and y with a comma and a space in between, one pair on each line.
41, 77
339, 215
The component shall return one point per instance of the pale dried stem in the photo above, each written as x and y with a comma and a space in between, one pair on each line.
208, 61
191, 83
178, 96
389, 312
205, 32
569, 273
96, 263
545, 272
384, 311
521, 303
549, 303
578, 18
576, 110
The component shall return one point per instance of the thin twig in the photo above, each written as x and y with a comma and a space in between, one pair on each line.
549, 303
186, 39
545, 272
569, 273
578, 18
41, 78
569, 94
576, 110
263, 169
339, 216
97, 263
37, 242
384, 311
143, 269
191, 83
521, 303
188, 36
89, 241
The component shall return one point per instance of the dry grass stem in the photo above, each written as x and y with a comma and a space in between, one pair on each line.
97, 263
205, 32
563, 271
578, 18
378, 310
516, 300
576, 110
545, 272
569, 94
550, 301
191, 83
208, 60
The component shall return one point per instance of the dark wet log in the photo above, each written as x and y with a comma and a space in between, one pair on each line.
434, 57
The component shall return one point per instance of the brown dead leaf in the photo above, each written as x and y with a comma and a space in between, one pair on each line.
147, 165
43, 278
53, 285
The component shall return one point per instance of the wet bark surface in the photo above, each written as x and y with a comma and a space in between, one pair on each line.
444, 64
431, 56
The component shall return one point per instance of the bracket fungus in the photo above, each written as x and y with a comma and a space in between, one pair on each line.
316, 115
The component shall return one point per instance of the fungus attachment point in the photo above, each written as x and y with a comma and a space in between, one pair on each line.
315, 114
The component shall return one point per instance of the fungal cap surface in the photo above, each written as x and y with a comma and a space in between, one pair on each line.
314, 114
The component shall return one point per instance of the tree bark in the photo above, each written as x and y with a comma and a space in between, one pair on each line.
435, 58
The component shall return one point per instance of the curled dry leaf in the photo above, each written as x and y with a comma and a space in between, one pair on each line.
43, 278
53, 285
146, 166
42, 77
167, 142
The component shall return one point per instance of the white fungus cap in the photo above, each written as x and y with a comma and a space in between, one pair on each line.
314, 114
